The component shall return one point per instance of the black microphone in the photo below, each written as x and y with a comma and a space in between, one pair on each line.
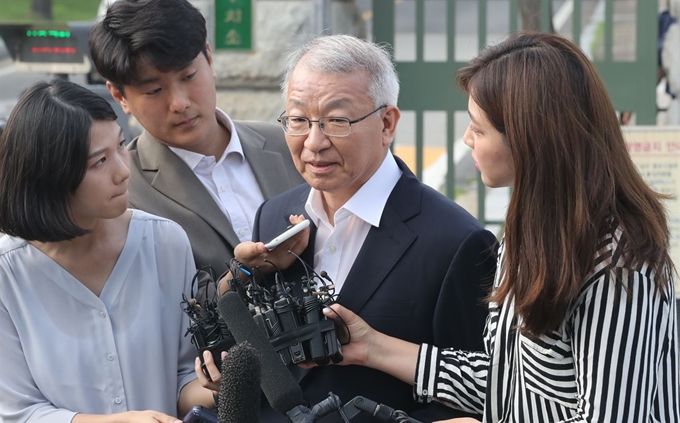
239, 400
380, 412
278, 384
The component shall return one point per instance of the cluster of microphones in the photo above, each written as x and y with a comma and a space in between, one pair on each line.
264, 330
253, 366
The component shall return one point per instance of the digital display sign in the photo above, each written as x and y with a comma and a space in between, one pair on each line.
53, 48
49, 45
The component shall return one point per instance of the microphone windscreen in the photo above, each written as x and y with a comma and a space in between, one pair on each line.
277, 383
239, 400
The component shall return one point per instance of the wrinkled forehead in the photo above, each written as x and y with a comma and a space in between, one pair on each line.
330, 89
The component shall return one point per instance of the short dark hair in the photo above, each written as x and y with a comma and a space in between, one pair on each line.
43, 159
165, 34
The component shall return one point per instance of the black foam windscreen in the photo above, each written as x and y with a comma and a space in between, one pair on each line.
277, 383
239, 400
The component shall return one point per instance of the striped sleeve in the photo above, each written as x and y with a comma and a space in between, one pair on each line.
625, 349
455, 378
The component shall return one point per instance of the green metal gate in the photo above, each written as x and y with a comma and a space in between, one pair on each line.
430, 86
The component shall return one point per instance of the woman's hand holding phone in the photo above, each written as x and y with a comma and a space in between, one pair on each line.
295, 239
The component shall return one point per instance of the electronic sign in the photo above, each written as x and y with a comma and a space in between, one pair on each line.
50, 48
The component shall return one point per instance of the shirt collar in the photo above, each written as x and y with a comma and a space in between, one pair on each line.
234, 147
368, 202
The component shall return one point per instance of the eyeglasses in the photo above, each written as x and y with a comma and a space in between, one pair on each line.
331, 126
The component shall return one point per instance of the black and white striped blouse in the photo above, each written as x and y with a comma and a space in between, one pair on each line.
613, 359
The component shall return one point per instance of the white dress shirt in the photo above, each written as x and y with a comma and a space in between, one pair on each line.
229, 180
65, 350
336, 247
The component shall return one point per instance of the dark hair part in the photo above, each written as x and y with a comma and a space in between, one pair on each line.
164, 34
43, 159
574, 180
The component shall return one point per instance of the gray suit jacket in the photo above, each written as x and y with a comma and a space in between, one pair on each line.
162, 184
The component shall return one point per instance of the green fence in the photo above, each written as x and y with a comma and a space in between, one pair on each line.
622, 39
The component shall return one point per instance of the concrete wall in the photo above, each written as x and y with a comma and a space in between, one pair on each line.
248, 82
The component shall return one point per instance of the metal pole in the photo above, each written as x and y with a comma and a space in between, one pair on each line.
323, 18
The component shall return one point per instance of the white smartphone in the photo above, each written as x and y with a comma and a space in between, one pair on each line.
286, 235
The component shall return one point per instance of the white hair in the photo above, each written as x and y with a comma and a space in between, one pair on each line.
345, 54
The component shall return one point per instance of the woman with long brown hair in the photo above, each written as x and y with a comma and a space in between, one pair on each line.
582, 320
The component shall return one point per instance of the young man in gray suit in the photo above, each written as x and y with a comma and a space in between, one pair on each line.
192, 163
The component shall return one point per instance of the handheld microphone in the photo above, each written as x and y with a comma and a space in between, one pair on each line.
239, 399
380, 412
278, 384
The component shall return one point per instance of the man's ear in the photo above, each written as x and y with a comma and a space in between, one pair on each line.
209, 56
119, 97
390, 119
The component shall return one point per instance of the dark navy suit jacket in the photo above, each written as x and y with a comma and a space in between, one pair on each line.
421, 276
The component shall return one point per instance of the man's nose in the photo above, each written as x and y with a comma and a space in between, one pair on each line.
179, 100
316, 139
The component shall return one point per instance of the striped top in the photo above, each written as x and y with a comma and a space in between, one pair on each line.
613, 359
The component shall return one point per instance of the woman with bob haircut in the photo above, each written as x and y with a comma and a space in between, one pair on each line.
90, 292
582, 320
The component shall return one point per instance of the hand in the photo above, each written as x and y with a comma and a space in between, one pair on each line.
370, 348
213, 371
148, 416
361, 335
254, 254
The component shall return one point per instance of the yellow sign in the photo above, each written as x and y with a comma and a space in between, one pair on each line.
656, 152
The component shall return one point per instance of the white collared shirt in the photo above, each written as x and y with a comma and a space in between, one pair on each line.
230, 180
336, 247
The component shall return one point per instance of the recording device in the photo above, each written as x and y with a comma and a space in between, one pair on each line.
208, 331
358, 404
295, 326
200, 414
277, 383
380, 412
239, 398
293, 230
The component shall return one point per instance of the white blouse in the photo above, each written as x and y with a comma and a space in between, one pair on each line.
66, 351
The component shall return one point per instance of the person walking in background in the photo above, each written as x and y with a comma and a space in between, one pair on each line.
582, 321
90, 291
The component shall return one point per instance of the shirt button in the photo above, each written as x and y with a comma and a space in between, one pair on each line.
117, 400
110, 357
102, 314
242, 232
424, 391
223, 188
332, 249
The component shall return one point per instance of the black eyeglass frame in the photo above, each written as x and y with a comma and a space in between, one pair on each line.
282, 118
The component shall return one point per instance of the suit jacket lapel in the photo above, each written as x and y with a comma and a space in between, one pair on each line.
173, 173
384, 246
267, 166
